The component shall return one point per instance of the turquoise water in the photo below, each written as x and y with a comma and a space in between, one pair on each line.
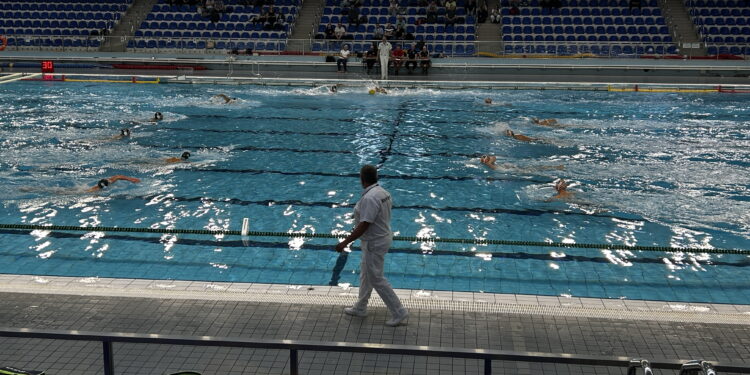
647, 169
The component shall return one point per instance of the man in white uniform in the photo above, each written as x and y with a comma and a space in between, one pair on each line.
372, 215
384, 52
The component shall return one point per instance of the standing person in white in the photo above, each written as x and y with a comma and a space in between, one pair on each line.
372, 215
384, 52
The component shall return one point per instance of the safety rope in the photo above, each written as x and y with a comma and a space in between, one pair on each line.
466, 241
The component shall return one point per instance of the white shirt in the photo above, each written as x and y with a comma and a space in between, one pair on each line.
345, 53
384, 49
374, 207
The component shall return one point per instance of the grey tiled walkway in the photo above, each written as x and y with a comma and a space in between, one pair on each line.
248, 319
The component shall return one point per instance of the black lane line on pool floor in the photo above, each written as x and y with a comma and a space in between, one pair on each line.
388, 150
544, 255
294, 202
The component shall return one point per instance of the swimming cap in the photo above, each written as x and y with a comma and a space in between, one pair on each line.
125, 132
372, 91
185, 155
102, 183
158, 116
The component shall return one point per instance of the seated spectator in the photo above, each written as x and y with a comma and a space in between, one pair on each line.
329, 31
390, 31
450, 5
379, 31
370, 57
432, 12
424, 59
514, 11
271, 18
343, 58
408, 36
495, 16
450, 18
471, 6
482, 13
419, 45
393, 8
261, 18
411, 59
339, 32
397, 58
400, 23
354, 15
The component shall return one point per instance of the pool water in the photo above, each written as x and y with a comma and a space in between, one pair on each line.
664, 169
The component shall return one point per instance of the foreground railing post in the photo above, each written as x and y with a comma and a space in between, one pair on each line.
109, 363
487, 366
293, 362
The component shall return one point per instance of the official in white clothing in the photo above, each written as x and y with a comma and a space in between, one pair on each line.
384, 52
372, 215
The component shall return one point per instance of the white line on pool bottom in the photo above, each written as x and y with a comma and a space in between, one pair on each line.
344, 295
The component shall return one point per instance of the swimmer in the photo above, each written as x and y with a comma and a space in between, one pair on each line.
490, 160
124, 133
105, 182
487, 101
562, 191
378, 90
519, 137
183, 158
157, 117
548, 122
333, 89
224, 97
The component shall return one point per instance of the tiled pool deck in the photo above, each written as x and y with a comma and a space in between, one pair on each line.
648, 329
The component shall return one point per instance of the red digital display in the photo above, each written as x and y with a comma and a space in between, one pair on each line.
48, 66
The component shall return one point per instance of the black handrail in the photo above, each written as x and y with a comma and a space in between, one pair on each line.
107, 338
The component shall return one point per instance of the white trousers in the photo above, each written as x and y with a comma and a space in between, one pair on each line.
384, 67
371, 276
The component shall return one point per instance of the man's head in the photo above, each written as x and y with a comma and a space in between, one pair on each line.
384, 40
368, 175
488, 100
346, 47
185, 155
561, 185
103, 183
125, 132
158, 116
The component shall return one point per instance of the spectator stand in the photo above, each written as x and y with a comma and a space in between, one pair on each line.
586, 27
452, 40
75, 25
184, 28
723, 25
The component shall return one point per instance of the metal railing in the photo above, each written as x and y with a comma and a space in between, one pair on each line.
294, 346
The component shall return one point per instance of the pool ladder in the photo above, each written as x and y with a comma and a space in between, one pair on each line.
639, 366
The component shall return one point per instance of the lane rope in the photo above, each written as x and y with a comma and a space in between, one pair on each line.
465, 241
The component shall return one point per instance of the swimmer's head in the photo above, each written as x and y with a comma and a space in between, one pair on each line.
158, 116
125, 132
509, 132
185, 155
103, 183
487, 101
334, 88
561, 185
372, 91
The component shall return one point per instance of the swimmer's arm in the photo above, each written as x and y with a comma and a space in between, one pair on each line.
173, 160
121, 177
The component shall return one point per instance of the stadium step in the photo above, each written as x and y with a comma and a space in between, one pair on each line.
682, 28
128, 25
305, 26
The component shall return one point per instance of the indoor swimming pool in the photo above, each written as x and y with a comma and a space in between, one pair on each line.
650, 169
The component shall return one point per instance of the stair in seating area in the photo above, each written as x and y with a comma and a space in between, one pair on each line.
682, 28
308, 18
488, 33
117, 40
